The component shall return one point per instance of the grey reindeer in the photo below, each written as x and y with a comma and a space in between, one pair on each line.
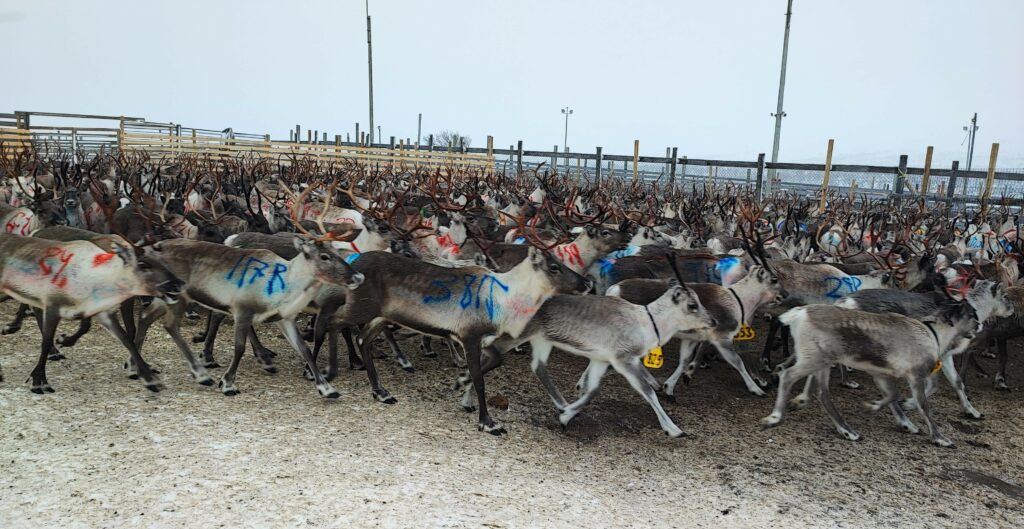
611, 332
731, 307
887, 346
988, 298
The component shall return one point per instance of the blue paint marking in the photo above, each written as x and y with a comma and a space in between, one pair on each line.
519, 240
277, 279
625, 252
975, 241
352, 258
606, 268
253, 269
470, 297
842, 286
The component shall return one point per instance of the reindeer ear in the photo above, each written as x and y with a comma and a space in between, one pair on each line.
535, 256
304, 246
591, 229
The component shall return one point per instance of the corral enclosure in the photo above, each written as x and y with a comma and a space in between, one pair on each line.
103, 452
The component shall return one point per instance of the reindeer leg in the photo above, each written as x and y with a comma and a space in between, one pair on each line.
825, 396
227, 382
890, 398
732, 356
766, 355
213, 322
493, 357
486, 424
425, 347
458, 357
264, 356
48, 321
291, 332
389, 336
588, 390
19, 317
1003, 360
949, 370
172, 324
917, 389
631, 370
787, 377
69, 341
210, 327
539, 364
128, 318
800, 401
367, 334
686, 349
107, 321
332, 363
846, 379
355, 361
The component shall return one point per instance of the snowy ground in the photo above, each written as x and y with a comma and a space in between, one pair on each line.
104, 452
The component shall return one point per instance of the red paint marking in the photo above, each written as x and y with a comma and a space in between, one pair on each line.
58, 279
18, 223
356, 248
447, 244
102, 259
569, 254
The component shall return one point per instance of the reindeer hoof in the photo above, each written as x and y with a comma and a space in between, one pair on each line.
409, 369
850, 384
1001, 384
10, 329
154, 385
670, 398
207, 381
199, 338
191, 315
974, 414
210, 364
469, 409
55, 357
771, 421
228, 391
851, 435
677, 435
384, 397
329, 393
943, 442
493, 429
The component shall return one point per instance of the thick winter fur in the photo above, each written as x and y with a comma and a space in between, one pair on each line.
887, 346
756, 289
471, 306
610, 332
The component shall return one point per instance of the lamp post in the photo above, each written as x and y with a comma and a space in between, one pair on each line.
779, 113
565, 139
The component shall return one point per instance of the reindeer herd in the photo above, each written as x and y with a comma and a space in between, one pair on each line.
486, 263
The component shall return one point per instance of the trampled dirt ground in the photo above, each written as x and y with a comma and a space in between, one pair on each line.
104, 452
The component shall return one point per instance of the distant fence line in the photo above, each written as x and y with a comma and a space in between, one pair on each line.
168, 139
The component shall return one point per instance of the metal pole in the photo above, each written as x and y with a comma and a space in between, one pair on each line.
369, 60
779, 114
970, 148
419, 129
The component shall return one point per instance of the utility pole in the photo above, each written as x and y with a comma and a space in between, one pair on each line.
971, 131
419, 129
565, 140
369, 60
779, 114
380, 135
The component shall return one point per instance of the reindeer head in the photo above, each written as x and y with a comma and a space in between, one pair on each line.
327, 265
556, 276
989, 299
154, 275
687, 308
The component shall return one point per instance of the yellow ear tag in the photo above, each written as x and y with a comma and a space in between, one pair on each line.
746, 333
938, 367
653, 359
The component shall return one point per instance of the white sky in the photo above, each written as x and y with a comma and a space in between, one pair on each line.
882, 77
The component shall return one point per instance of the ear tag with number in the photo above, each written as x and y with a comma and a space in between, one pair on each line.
654, 359
746, 332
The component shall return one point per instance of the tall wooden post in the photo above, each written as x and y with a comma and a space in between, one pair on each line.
828, 172
927, 170
636, 158
991, 172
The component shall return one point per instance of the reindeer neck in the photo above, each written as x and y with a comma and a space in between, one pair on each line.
663, 326
749, 293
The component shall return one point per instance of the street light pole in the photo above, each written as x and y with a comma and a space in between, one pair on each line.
565, 140
779, 114
369, 60
970, 144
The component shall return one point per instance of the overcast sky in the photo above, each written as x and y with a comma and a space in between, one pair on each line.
882, 77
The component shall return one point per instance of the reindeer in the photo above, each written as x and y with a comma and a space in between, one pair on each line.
732, 307
887, 346
76, 280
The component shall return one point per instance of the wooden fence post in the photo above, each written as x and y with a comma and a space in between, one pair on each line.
672, 168
759, 179
597, 171
991, 173
828, 171
554, 158
636, 158
951, 188
519, 154
927, 171
901, 176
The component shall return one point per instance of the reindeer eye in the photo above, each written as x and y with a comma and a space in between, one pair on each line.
605, 233
325, 257
692, 307
555, 269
